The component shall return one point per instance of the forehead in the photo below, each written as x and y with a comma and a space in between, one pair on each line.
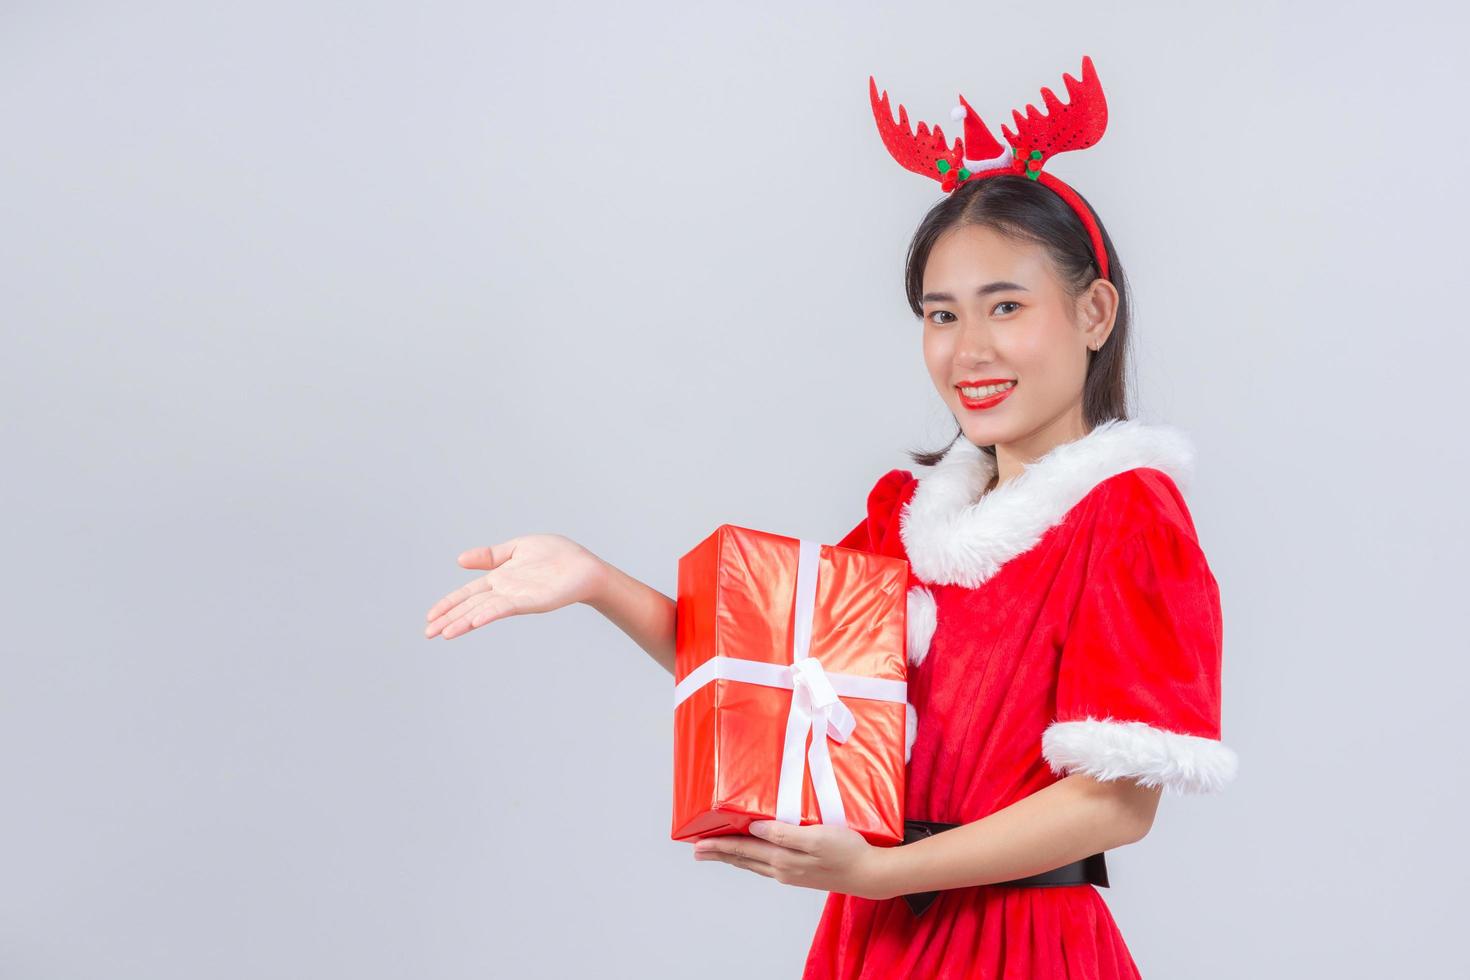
963, 258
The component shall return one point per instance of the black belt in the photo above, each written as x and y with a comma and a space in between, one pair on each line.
1090, 870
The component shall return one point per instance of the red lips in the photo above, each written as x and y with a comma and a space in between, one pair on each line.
989, 401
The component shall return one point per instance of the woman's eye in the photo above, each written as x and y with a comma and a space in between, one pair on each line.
998, 309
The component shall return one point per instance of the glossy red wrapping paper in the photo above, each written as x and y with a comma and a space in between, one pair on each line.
737, 598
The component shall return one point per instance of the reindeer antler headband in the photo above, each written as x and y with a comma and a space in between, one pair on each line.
1039, 136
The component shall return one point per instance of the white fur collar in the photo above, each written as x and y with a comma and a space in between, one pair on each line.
954, 535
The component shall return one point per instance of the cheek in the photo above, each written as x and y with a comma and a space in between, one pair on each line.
1042, 353
1050, 370
1031, 349
938, 354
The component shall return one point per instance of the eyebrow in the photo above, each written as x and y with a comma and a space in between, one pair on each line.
985, 290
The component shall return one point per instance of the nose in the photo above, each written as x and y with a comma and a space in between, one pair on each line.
975, 344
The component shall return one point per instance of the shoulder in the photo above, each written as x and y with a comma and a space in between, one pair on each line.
891, 490
886, 501
1138, 500
1140, 565
1137, 512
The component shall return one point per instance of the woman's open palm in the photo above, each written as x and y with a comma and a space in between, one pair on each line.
534, 573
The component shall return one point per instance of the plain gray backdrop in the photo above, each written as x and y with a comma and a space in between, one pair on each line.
300, 300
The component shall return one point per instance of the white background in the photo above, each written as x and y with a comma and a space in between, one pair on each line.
299, 300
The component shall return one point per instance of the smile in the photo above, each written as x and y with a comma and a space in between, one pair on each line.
985, 395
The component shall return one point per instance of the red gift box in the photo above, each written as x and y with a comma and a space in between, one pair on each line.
778, 638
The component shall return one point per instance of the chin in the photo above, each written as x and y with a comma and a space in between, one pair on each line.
985, 435
985, 431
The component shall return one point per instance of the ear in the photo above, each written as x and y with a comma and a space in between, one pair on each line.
1097, 309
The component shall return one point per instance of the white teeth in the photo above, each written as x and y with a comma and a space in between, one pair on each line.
987, 390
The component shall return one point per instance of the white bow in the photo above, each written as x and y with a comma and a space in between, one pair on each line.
816, 710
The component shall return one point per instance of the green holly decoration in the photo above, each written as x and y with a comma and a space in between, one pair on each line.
964, 174
1034, 173
943, 165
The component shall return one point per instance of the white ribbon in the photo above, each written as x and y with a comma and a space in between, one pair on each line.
816, 702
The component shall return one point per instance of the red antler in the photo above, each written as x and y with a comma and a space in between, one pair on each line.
920, 152
1075, 125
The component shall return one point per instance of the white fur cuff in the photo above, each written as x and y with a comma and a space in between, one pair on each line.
910, 729
1106, 749
922, 618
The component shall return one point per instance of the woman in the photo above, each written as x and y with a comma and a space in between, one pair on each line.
1065, 629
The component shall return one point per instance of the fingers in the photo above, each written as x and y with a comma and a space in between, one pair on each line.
734, 858
741, 846
489, 556
482, 609
749, 864
790, 836
447, 607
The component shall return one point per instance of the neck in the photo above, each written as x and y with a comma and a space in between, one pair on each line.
1013, 457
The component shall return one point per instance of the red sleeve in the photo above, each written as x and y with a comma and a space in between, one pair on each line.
857, 538
1138, 689
878, 532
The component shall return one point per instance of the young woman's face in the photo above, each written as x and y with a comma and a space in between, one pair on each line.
995, 312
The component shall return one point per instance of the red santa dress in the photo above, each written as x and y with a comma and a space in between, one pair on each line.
1065, 621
